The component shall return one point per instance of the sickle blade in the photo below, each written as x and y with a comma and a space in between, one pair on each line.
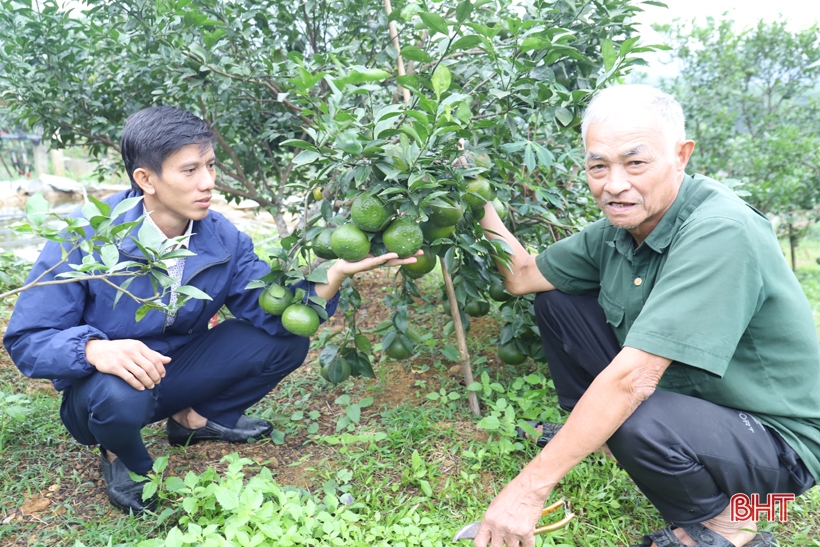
468, 531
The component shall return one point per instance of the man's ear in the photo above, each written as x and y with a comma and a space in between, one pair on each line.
683, 151
144, 179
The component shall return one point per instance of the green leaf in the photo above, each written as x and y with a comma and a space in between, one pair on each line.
466, 42
532, 42
174, 484
149, 490
354, 412
363, 343
123, 206
149, 238
37, 209
298, 143
463, 11
160, 464
489, 423
193, 292
226, 498
110, 255
141, 311
608, 53
441, 79
414, 53
305, 157
563, 115
435, 22
451, 353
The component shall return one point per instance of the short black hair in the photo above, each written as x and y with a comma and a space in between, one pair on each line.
153, 134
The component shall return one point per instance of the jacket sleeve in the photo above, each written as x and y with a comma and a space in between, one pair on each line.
244, 304
47, 334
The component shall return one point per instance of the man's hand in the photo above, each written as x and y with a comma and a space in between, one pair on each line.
131, 360
512, 516
342, 269
371, 262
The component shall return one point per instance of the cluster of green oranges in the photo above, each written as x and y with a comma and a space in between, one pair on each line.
297, 318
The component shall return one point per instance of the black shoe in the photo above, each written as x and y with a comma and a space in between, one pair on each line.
247, 428
548, 431
123, 492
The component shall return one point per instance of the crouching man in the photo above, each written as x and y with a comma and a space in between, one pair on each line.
118, 375
675, 333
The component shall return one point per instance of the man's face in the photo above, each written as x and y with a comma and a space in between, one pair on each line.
183, 191
633, 172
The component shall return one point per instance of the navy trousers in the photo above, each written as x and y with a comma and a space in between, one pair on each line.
687, 455
219, 374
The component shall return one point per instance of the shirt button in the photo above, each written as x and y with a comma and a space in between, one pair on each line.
638, 281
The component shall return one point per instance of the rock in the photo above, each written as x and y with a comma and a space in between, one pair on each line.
62, 184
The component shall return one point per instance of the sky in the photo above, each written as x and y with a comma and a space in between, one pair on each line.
746, 13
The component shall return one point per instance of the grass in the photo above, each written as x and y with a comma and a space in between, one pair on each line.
412, 460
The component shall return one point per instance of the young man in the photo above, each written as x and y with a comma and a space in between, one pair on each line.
675, 333
118, 375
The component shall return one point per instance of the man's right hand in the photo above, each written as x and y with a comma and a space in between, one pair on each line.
131, 360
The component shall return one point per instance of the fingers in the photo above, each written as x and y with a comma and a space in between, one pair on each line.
131, 360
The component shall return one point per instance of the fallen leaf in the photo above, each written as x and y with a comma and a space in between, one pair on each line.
34, 505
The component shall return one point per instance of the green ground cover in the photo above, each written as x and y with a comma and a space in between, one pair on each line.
397, 460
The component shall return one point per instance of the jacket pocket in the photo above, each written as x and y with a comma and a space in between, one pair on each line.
613, 310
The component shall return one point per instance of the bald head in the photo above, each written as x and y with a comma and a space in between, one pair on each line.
615, 101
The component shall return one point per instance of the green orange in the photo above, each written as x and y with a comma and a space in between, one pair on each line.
448, 214
349, 243
424, 264
403, 237
370, 213
322, 246
275, 299
479, 192
300, 320
508, 353
432, 232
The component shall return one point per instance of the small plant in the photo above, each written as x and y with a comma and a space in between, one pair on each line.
13, 407
353, 412
528, 398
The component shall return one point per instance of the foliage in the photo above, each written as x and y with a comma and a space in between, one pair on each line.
753, 107
96, 235
229, 511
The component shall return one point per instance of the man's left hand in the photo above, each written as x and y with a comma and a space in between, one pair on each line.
342, 269
512, 516
371, 262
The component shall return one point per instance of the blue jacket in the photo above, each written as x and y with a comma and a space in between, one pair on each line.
51, 324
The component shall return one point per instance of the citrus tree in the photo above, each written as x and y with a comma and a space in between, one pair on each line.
384, 129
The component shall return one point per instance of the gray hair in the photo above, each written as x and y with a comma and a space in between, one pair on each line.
612, 99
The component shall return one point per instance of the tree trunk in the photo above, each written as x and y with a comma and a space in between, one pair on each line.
281, 226
793, 246
455, 313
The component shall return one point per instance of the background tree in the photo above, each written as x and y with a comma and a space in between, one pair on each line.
752, 103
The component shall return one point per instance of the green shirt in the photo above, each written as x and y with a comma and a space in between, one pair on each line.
710, 290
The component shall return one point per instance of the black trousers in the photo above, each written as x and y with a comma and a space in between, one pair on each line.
687, 455
220, 374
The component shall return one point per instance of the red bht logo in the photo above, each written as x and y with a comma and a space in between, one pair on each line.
742, 507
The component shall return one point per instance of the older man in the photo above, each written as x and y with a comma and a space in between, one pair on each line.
675, 333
